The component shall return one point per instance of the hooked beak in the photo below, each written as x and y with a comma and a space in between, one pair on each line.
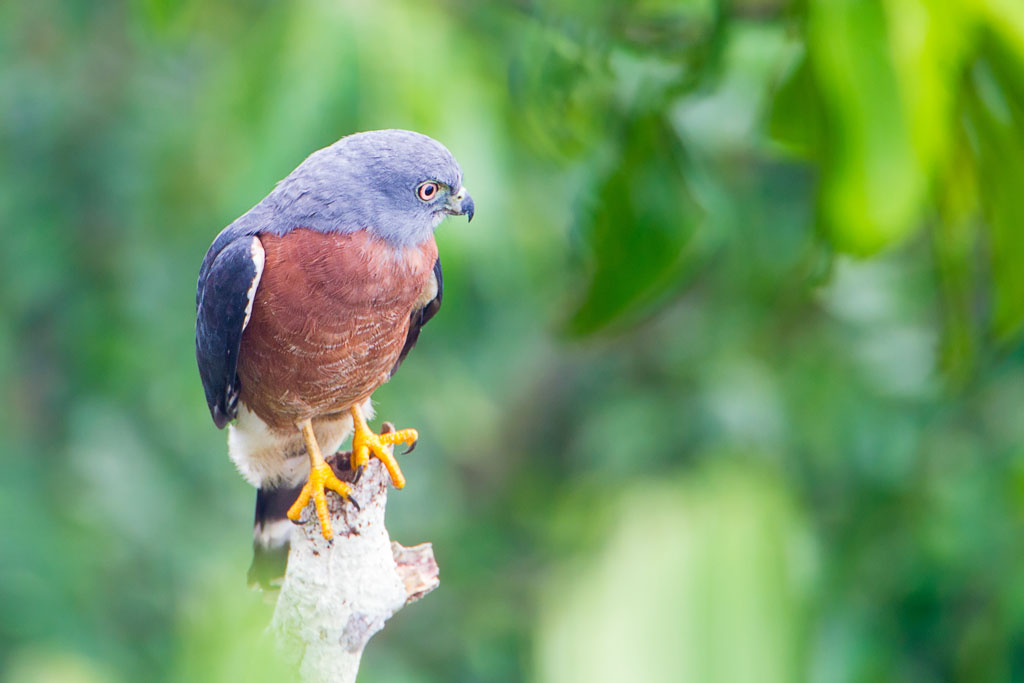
461, 204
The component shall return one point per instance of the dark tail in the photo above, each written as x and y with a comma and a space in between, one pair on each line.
271, 536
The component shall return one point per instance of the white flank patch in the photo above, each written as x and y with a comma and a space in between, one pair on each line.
267, 457
428, 294
259, 257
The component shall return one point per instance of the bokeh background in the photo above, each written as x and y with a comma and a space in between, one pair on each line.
728, 383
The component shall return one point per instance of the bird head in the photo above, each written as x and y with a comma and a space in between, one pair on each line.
397, 184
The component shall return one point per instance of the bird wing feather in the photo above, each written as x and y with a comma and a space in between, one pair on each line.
421, 316
226, 291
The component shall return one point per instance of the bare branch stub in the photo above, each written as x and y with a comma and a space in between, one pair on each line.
336, 594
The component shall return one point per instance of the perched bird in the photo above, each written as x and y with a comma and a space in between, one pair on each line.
310, 301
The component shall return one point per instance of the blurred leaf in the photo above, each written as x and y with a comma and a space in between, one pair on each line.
872, 186
638, 229
995, 107
928, 42
1005, 18
796, 120
703, 581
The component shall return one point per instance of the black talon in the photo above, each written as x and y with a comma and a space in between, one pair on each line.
411, 448
355, 502
359, 475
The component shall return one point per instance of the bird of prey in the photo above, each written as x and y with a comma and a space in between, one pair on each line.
310, 301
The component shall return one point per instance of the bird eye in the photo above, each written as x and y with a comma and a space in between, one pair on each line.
427, 190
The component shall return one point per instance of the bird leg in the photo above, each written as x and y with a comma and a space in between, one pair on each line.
321, 477
365, 442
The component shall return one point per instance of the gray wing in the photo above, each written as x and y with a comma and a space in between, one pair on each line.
224, 298
421, 316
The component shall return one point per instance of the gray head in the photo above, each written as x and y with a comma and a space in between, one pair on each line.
395, 183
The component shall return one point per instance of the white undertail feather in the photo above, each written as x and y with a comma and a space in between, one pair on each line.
273, 534
270, 458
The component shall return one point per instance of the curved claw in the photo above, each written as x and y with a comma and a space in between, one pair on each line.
366, 444
411, 447
358, 476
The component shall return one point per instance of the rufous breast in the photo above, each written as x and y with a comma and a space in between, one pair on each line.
328, 322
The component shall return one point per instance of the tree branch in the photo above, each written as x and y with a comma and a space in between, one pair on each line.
336, 594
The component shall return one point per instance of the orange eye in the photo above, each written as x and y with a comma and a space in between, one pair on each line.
427, 191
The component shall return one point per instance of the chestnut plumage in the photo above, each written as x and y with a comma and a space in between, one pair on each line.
313, 298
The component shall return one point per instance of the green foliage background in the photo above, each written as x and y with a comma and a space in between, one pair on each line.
728, 383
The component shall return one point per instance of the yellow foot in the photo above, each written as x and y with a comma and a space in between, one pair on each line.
365, 442
321, 477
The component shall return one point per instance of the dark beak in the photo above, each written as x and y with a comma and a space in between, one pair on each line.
461, 204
